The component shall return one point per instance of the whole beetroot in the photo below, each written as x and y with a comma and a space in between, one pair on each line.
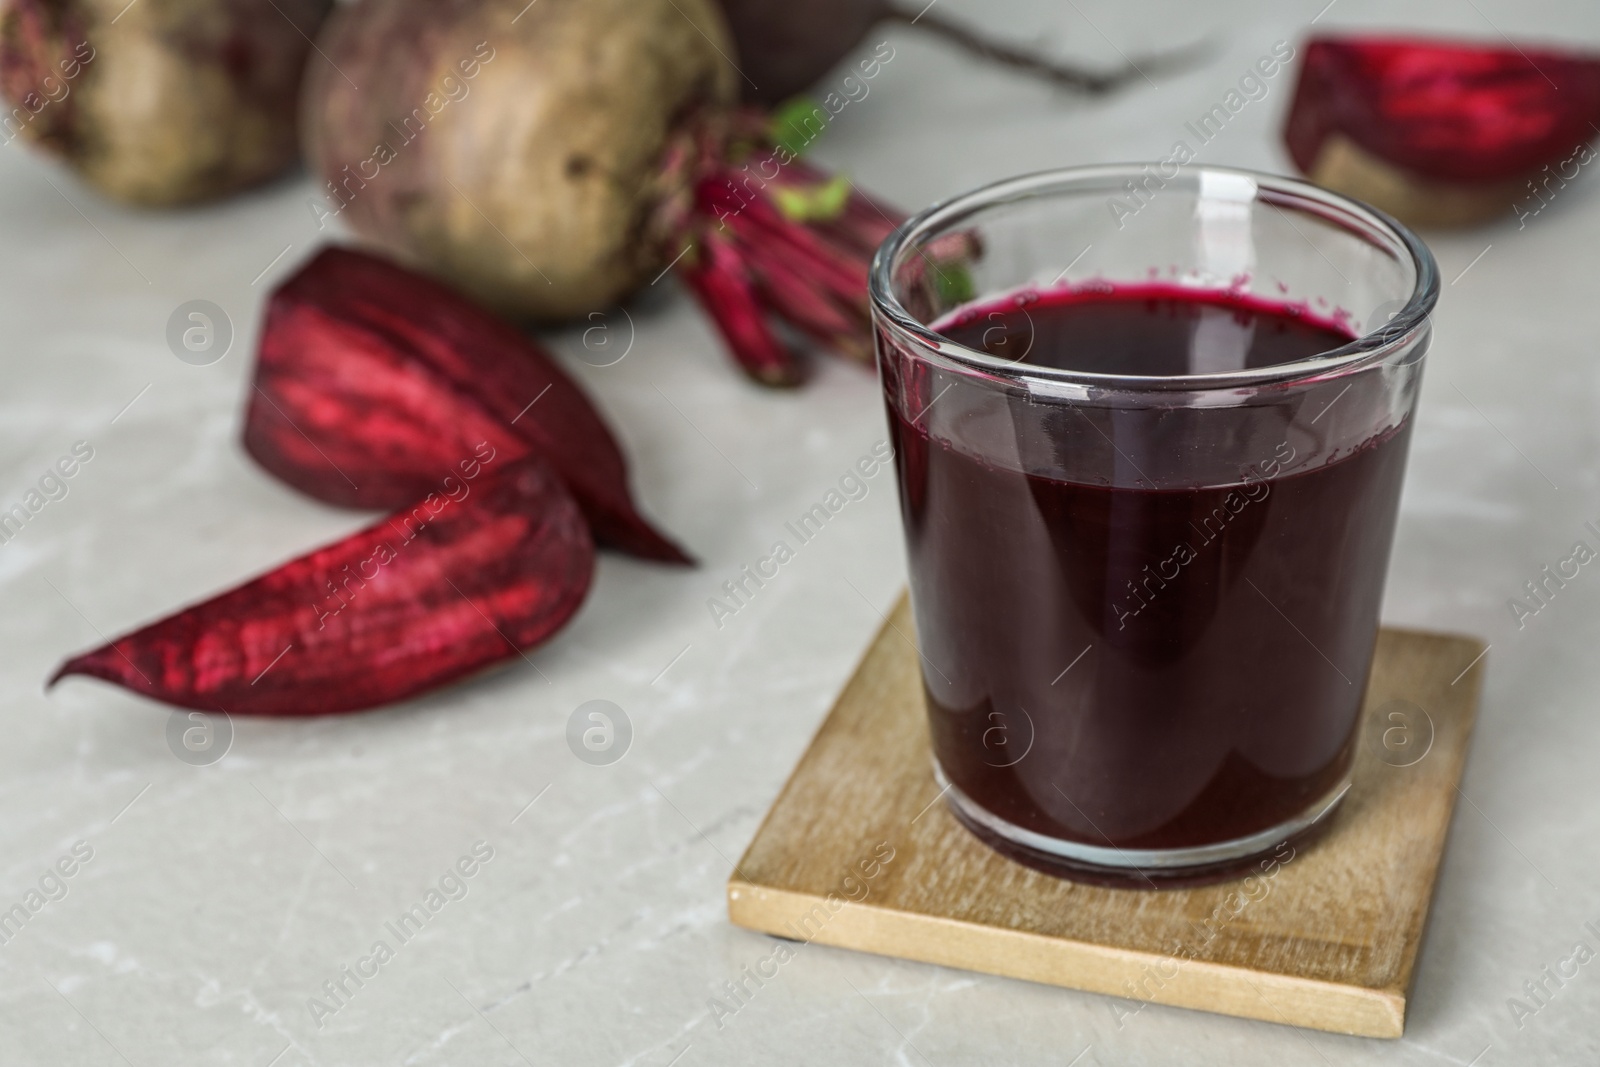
550, 157
785, 47
514, 149
158, 102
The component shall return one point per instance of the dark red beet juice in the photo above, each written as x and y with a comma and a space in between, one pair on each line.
1141, 667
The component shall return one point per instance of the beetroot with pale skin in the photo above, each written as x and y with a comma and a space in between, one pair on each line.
548, 159
1439, 132
373, 383
513, 149
441, 590
159, 102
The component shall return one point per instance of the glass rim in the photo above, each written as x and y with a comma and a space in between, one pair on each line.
1371, 347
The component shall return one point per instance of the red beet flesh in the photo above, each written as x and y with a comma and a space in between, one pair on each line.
1447, 111
373, 383
437, 591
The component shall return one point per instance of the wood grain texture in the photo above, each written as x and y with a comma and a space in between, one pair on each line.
1328, 939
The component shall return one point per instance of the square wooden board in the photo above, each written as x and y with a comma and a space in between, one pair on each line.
1329, 940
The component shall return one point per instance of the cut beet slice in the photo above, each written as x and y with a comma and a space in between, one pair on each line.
437, 591
374, 383
1438, 132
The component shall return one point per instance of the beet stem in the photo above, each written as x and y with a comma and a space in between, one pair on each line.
1059, 74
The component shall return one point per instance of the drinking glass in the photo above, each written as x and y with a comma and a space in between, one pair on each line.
1147, 606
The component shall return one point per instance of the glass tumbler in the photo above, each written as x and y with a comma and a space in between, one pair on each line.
1147, 605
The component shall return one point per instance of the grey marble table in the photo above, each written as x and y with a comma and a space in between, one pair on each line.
208, 905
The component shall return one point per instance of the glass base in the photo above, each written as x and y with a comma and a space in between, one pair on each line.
1136, 868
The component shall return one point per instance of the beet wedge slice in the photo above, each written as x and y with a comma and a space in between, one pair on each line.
1439, 132
374, 383
435, 592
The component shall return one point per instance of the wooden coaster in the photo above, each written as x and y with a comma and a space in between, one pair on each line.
858, 852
